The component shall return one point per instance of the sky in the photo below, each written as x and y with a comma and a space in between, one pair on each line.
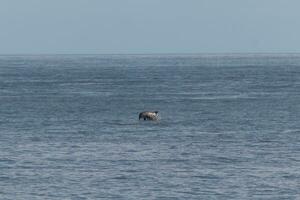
149, 26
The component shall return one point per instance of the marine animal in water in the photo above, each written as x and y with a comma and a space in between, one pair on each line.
149, 115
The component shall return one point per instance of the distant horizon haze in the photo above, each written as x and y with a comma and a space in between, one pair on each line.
149, 27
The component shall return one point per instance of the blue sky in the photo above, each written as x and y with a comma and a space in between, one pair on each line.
149, 26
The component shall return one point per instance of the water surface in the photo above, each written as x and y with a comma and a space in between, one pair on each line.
229, 127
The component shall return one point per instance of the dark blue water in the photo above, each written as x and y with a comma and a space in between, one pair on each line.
229, 127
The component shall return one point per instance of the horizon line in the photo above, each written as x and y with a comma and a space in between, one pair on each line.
208, 53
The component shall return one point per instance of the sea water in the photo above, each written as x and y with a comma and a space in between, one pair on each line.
229, 126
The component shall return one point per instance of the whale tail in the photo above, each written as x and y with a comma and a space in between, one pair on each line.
149, 115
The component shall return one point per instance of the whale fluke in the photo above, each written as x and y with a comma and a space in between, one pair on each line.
149, 115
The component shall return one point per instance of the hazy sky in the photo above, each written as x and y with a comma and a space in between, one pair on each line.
149, 26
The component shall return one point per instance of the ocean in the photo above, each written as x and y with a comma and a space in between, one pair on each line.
229, 126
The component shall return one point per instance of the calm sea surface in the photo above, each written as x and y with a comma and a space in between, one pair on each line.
229, 127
